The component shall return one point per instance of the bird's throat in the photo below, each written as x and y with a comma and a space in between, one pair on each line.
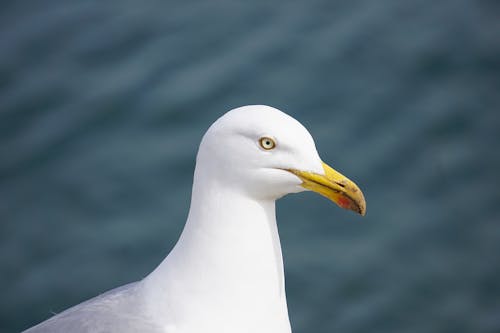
228, 257
237, 238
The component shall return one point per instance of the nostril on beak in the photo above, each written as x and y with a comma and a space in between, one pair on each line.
342, 183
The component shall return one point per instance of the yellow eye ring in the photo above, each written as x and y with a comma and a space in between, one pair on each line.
267, 143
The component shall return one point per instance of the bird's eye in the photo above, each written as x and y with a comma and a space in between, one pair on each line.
267, 143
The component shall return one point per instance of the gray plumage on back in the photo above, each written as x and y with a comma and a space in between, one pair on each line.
120, 310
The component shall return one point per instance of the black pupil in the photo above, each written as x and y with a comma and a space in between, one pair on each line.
267, 143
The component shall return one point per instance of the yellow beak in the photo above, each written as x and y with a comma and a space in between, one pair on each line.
335, 187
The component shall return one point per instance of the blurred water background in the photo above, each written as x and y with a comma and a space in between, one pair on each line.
103, 104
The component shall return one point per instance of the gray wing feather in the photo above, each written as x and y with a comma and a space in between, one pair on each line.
120, 310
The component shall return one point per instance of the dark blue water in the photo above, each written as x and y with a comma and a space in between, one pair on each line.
103, 104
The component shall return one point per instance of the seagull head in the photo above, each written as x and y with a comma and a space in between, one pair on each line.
266, 154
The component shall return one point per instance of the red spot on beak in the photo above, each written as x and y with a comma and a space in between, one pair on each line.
344, 202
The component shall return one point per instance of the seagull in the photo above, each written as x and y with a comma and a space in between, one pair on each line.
225, 274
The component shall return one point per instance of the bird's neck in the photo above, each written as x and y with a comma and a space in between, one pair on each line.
228, 257
236, 237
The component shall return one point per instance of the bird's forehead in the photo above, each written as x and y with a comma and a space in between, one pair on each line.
261, 120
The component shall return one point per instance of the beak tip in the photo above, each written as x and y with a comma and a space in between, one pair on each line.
360, 209
362, 205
